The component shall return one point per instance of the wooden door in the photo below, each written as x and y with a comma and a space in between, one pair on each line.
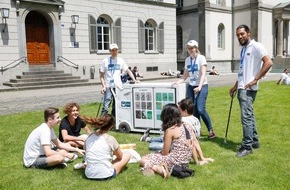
37, 39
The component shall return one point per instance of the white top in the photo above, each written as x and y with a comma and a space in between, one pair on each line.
99, 155
195, 64
251, 64
112, 69
194, 122
285, 78
40, 136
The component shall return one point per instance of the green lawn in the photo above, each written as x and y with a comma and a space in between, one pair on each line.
267, 168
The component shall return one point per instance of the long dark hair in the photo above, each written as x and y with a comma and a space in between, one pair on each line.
170, 116
103, 123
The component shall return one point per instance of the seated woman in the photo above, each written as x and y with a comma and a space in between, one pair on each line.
71, 125
100, 148
177, 148
213, 71
137, 72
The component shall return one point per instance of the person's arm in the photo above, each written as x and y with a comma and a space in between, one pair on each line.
67, 147
48, 151
131, 75
202, 78
182, 79
279, 81
102, 78
67, 137
168, 136
233, 89
118, 153
267, 64
88, 130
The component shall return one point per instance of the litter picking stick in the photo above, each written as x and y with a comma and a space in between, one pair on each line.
100, 104
229, 117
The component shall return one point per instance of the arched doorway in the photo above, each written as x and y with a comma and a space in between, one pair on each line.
37, 39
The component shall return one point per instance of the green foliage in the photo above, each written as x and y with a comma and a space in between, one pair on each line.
267, 168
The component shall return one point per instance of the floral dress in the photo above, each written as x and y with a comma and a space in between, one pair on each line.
180, 152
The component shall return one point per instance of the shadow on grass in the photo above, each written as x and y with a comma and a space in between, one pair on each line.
229, 145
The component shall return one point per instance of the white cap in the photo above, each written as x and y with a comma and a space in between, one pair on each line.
113, 46
192, 43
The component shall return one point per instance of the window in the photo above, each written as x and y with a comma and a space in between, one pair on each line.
179, 3
221, 2
103, 32
151, 37
221, 36
103, 35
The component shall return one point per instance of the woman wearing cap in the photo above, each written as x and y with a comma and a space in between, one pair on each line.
197, 90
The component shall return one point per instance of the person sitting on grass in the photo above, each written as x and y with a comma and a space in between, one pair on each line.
71, 125
38, 151
177, 147
100, 148
285, 79
186, 110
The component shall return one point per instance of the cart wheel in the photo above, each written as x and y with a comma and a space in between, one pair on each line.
124, 128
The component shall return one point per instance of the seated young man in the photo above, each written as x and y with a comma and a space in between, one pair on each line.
38, 151
285, 79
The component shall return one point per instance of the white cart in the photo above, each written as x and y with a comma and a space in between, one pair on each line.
139, 106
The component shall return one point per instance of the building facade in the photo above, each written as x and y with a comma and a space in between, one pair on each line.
213, 23
74, 35
51, 32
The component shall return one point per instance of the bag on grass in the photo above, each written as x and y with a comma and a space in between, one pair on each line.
182, 171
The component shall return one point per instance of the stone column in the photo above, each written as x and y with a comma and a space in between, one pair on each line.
280, 37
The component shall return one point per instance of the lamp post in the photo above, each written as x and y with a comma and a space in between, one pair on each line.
5, 15
75, 21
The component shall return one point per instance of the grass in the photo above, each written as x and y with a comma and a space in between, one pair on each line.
267, 168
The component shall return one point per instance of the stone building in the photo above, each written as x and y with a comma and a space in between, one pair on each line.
213, 22
74, 35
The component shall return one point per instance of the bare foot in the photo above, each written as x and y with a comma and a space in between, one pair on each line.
202, 162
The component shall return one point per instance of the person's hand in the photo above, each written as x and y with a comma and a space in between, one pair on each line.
175, 84
232, 91
137, 81
197, 90
81, 151
103, 91
250, 84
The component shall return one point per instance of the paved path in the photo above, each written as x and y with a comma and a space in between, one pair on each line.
29, 100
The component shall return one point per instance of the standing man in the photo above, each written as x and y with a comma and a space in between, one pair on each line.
38, 152
254, 64
110, 75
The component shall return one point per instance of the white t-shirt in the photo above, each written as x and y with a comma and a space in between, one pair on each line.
195, 66
194, 122
285, 78
40, 136
99, 155
251, 63
112, 69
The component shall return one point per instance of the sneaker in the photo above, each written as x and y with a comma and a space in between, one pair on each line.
211, 135
66, 159
62, 165
79, 166
145, 135
243, 152
256, 145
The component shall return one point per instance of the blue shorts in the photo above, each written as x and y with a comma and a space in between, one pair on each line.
107, 178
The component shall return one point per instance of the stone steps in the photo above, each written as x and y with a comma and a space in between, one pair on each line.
45, 77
